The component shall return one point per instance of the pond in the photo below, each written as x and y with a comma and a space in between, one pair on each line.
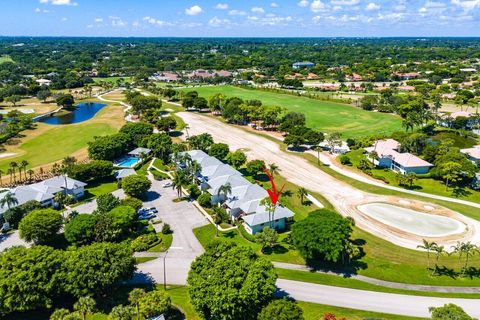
411, 221
81, 113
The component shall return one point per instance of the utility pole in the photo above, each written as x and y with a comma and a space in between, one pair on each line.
165, 272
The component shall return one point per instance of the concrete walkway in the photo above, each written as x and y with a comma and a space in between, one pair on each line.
399, 304
128, 117
387, 284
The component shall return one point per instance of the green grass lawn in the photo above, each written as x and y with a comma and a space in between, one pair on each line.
139, 260
422, 184
164, 245
57, 143
312, 311
5, 59
111, 79
321, 115
95, 189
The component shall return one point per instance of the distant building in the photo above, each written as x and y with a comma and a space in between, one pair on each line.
45, 191
303, 65
137, 153
468, 70
244, 201
473, 154
389, 156
43, 82
408, 75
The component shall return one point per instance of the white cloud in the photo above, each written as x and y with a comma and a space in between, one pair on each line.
274, 5
194, 10
467, 5
258, 10
317, 6
117, 21
64, 19
303, 3
270, 20
59, 2
221, 6
153, 21
37, 10
345, 2
372, 6
237, 13
217, 22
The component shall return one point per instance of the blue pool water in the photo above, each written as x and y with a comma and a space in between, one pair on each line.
127, 162
82, 112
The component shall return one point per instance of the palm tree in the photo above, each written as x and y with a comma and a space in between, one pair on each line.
10, 173
302, 193
84, 306
428, 246
8, 199
59, 314
439, 250
69, 161
224, 191
30, 174
134, 297
469, 250
23, 165
14, 166
217, 219
186, 130
274, 169
458, 249
178, 181
194, 169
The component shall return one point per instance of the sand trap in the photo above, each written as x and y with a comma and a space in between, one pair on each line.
428, 207
404, 202
6, 155
414, 222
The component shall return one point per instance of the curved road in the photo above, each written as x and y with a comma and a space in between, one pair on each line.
301, 172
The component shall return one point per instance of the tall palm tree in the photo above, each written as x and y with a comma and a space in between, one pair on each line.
30, 174
178, 181
84, 306
217, 219
14, 166
428, 246
274, 169
194, 169
23, 166
458, 249
10, 173
439, 250
69, 161
224, 191
134, 297
469, 250
8, 199
302, 193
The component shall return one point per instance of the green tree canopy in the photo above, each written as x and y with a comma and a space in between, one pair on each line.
137, 131
230, 282
281, 310
323, 234
237, 158
65, 100
449, 311
136, 186
81, 229
154, 303
219, 150
107, 202
40, 226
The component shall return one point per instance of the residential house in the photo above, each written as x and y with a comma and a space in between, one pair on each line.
244, 201
45, 191
303, 65
389, 156
355, 77
408, 75
43, 82
473, 154
123, 173
137, 153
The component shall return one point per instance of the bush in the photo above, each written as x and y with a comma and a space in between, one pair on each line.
136, 186
40, 226
145, 242
194, 191
135, 203
281, 310
154, 303
159, 176
345, 160
107, 202
205, 200
166, 229
122, 218
81, 229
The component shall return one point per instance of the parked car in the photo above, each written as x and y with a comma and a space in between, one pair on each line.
146, 216
167, 185
152, 209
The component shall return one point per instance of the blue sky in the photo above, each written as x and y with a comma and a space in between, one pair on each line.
290, 18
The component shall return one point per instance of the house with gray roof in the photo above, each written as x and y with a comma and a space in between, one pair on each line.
123, 173
137, 153
244, 201
45, 191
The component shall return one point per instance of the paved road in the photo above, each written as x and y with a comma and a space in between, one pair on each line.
182, 218
343, 196
10, 240
399, 304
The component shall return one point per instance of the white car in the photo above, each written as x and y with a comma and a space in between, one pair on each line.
167, 185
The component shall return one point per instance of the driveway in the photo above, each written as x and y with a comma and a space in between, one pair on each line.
10, 240
90, 206
343, 196
182, 218
414, 306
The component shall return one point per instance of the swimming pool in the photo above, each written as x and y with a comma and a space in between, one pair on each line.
411, 221
127, 162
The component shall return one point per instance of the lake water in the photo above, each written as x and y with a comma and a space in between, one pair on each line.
419, 223
82, 112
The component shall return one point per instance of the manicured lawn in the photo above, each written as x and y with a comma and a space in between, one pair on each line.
96, 189
164, 245
144, 259
57, 143
321, 115
111, 79
5, 59
312, 311
338, 281
422, 184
